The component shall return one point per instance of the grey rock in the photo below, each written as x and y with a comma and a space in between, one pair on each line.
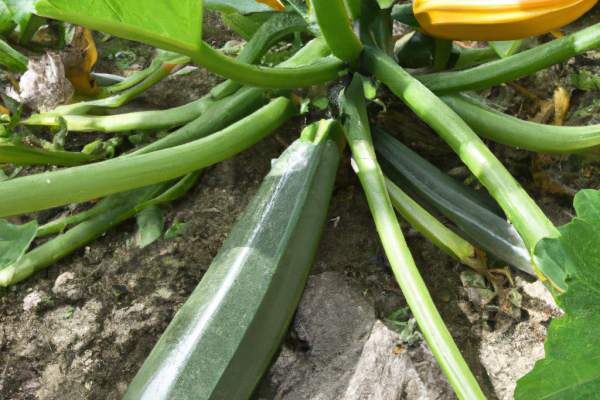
387, 370
335, 320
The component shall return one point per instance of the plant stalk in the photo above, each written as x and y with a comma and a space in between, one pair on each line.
413, 287
520, 209
502, 128
50, 189
515, 66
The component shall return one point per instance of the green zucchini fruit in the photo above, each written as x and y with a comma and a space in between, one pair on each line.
221, 341
474, 213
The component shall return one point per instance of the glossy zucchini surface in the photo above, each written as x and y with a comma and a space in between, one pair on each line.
221, 341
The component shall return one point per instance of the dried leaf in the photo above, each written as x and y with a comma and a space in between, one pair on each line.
562, 101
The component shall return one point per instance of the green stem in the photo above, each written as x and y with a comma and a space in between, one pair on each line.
470, 57
452, 244
118, 199
142, 120
61, 246
157, 63
336, 29
413, 287
272, 31
111, 211
221, 114
120, 99
174, 192
323, 71
502, 128
516, 66
88, 182
520, 209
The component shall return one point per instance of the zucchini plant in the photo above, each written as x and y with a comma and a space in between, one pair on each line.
221, 341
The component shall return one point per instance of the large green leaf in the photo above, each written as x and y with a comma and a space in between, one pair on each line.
14, 241
571, 369
239, 6
168, 24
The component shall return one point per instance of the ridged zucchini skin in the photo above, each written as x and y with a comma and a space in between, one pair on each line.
469, 210
221, 341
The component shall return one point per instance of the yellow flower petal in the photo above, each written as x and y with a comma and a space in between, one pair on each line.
490, 20
274, 4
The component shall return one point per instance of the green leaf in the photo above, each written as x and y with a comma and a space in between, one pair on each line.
585, 81
6, 20
14, 241
245, 25
12, 59
167, 24
179, 228
571, 369
150, 225
239, 6
321, 103
505, 48
383, 4
404, 13
21, 10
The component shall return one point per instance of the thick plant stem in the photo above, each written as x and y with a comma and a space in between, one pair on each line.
413, 287
337, 31
118, 199
323, 71
452, 244
223, 113
88, 182
520, 209
502, 128
516, 66
108, 213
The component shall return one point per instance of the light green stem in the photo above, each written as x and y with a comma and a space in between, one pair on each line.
50, 189
515, 66
338, 31
520, 209
502, 128
119, 99
141, 120
323, 71
413, 287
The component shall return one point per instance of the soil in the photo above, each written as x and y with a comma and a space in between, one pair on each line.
94, 316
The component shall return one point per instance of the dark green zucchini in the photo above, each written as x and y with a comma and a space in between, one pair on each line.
221, 341
476, 214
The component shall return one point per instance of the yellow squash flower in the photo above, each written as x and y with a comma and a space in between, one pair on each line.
490, 20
